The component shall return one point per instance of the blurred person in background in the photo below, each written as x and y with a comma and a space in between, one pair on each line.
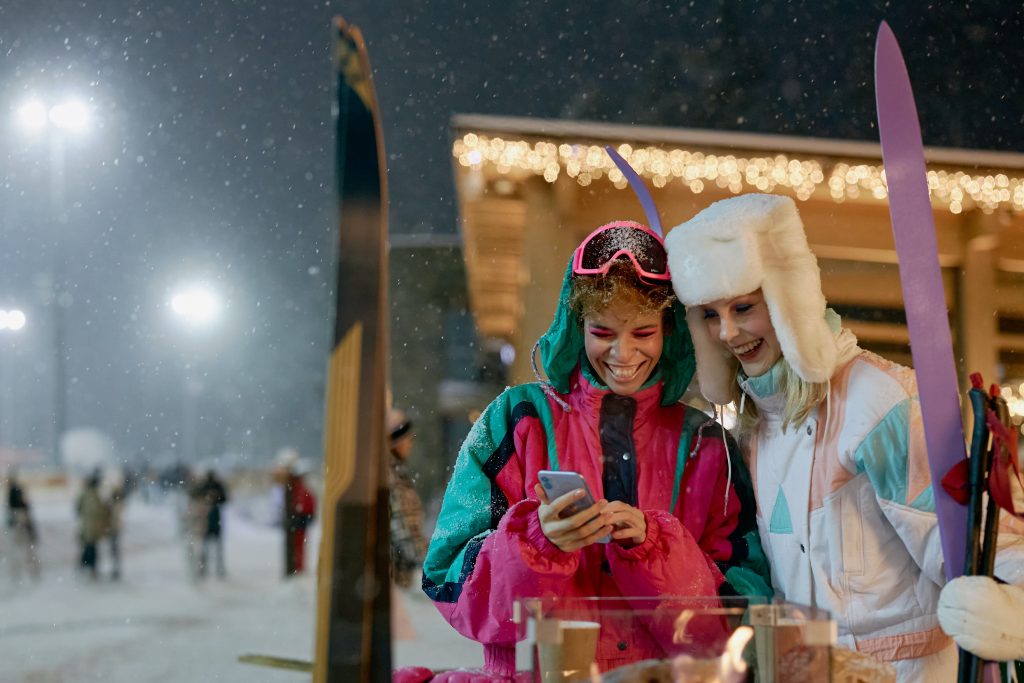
22, 530
213, 490
195, 521
92, 518
115, 500
408, 545
298, 508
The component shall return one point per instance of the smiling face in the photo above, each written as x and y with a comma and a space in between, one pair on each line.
742, 325
623, 344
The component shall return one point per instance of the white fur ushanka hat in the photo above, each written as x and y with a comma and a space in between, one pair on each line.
734, 247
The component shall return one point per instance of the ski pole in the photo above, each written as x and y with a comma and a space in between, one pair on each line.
970, 668
988, 552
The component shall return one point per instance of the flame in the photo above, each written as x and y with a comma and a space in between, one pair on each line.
728, 668
732, 664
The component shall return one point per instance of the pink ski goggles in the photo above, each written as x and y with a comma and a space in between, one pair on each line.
623, 239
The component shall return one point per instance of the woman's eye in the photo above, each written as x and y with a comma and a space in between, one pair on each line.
709, 313
600, 334
743, 308
642, 335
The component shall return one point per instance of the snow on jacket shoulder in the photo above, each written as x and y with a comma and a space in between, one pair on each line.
488, 549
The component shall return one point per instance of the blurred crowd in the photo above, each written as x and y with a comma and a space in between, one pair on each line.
197, 497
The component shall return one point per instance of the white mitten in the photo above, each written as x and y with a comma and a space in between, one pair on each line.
984, 617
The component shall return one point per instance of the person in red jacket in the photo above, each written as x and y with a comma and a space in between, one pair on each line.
298, 512
675, 499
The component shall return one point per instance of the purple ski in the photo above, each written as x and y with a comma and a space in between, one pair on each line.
923, 295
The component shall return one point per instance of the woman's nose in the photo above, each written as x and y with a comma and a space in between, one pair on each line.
622, 348
727, 328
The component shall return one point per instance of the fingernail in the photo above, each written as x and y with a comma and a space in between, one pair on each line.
578, 493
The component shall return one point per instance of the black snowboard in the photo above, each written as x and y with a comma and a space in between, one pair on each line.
353, 638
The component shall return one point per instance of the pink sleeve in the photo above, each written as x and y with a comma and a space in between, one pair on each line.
517, 560
668, 562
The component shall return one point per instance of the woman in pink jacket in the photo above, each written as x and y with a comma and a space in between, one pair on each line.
676, 501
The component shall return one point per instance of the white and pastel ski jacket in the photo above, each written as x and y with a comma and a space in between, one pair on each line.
845, 507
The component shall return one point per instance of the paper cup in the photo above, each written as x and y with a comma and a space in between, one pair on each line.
566, 649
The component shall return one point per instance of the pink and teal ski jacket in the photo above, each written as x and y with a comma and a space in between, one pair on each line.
488, 549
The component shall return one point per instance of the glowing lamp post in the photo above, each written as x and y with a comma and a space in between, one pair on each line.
57, 122
12, 321
198, 308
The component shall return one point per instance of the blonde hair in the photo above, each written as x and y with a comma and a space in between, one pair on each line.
592, 294
800, 398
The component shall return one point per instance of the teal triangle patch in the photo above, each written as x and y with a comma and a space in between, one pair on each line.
781, 523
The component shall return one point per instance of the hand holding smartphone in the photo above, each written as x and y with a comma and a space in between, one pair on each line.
558, 484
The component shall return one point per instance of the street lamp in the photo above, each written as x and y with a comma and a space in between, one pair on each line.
12, 321
198, 307
69, 117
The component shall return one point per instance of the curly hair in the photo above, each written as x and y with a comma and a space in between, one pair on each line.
592, 294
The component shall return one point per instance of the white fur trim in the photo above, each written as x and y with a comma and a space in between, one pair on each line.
744, 243
716, 367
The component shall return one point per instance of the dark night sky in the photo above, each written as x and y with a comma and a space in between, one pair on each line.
214, 158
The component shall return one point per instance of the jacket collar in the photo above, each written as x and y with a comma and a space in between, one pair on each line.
764, 390
588, 391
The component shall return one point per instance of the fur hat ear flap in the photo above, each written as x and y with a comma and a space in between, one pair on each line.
716, 367
804, 336
791, 286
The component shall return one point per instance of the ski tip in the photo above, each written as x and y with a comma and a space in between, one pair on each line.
890, 67
639, 189
350, 31
885, 39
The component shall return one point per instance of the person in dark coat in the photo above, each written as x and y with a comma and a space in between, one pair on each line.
22, 529
213, 490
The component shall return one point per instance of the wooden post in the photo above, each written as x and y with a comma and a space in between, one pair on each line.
548, 241
978, 308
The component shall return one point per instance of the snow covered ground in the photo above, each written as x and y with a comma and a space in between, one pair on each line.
156, 624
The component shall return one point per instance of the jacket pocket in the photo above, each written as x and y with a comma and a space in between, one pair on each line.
845, 536
853, 533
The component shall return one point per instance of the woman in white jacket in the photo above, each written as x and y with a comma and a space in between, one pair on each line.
833, 433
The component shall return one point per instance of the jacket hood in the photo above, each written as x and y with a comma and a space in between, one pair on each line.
561, 348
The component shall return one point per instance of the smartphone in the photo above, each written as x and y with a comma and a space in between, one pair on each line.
560, 483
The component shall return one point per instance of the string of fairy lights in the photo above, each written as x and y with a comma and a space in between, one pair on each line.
1014, 396
956, 191
804, 177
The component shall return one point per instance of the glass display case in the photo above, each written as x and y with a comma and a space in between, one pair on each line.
672, 639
